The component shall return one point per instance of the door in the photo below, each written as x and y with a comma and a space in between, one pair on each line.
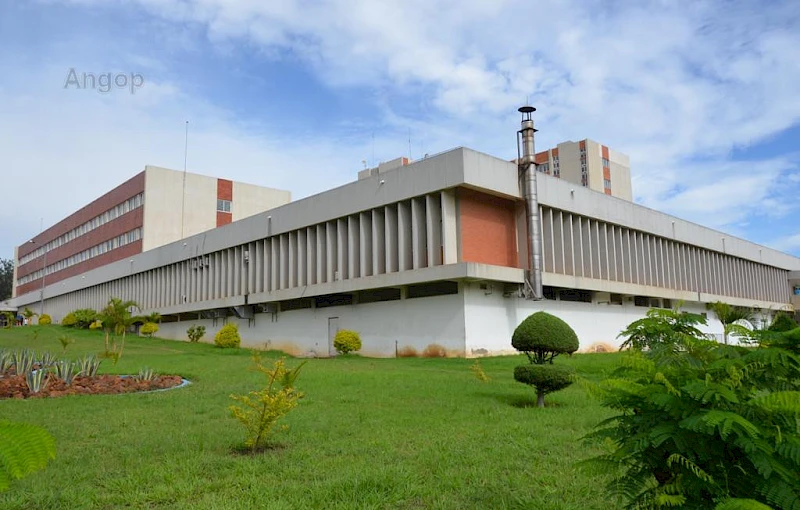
333, 328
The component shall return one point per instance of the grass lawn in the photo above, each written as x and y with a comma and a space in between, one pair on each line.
370, 433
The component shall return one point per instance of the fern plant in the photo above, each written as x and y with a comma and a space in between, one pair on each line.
24, 449
700, 424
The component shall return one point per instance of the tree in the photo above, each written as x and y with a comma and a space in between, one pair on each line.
542, 337
730, 316
116, 318
661, 327
6, 278
29, 314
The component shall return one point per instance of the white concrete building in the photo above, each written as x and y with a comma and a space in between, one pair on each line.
433, 251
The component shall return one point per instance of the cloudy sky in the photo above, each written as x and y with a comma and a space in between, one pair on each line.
296, 94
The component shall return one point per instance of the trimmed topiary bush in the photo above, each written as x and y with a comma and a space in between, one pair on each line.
346, 341
45, 320
149, 329
542, 337
228, 336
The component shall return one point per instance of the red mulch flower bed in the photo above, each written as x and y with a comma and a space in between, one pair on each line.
15, 386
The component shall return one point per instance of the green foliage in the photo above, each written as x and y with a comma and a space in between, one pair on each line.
544, 378
261, 410
88, 366
6, 361
65, 370
84, 317
29, 314
700, 423
145, 374
149, 329
96, 324
346, 341
782, 322
116, 318
543, 336
23, 361
228, 336
24, 449
661, 327
731, 316
65, 341
45, 320
6, 278
37, 380
195, 333
10, 319
69, 320
480, 374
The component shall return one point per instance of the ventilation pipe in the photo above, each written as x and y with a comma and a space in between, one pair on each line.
527, 180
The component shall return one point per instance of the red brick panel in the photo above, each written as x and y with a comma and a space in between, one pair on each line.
224, 189
87, 265
110, 230
121, 193
582, 145
223, 218
605, 151
555, 152
606, 173
488, 229
542, 157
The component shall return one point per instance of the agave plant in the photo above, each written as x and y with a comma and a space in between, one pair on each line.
37, 380
145, 374
23, 361
88, 366
65, 370
47, 360
5, 361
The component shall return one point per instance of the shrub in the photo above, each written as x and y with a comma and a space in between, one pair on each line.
66, 341
661, 327
407, 352
434, 351
346, 341
149, 329
700, 424
84, 317
228, 336
96, 325
263, 409
545, 378
782, 322
195, 333
543, 336
69, 320
45, 320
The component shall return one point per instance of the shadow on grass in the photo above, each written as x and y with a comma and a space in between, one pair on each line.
518, 401
245, 451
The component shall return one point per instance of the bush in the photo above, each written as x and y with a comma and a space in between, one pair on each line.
782, 322
544, 378
701, 424
97, 324
346, 341
149, 329
434, 351
407, 352
45, 320
69, 320
228, 336
195, 333
661, 327
543, 336
84, 317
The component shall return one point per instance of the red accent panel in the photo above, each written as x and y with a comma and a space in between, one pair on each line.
582, 145
607, 191
606, 173
555, 152
542, 157
87, 265
488, 229
223, 218
605, 151
224, 189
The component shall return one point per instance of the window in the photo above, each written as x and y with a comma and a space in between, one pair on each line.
607, 183
605, 162
224, 205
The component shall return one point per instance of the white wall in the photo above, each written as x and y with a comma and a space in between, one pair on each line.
249, 199
492, 318
409, 322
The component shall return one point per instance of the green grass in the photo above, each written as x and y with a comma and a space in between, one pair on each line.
371, 433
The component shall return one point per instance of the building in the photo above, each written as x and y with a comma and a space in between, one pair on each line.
435, 251
157, 206
589, 164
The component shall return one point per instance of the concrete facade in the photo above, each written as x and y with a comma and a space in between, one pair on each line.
433, 252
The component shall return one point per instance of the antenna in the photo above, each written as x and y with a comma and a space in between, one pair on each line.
185, 157
409, 144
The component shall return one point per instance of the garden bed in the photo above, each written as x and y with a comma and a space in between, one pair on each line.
15, 387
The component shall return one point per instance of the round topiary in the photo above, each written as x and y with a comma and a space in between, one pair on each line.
228, 336
149, 329
543, 336
346, 341
45, 320
544, 378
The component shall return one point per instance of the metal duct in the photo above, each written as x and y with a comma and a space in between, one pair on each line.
527, 171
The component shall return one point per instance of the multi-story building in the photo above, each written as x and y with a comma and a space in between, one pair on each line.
155, 207
589, 164
434, 251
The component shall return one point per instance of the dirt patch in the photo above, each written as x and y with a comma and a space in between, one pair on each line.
15, 386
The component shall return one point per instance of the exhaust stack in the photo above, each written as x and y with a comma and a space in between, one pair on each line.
527, 176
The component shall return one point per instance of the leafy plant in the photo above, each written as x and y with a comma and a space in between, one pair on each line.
542, 337
661, 327
10, 319
37, 380
195, 333
700, 424
730, 315
84, 317
66, 341
116, 318
88, 366
69, 320
346, 341
46, 360
23, 361
65, 370
29, 314
24, 449
434, 351
477, 369
149, 329
6, 361
45, 320
96, 324
261, 410
145, 374
228, 336
782, 322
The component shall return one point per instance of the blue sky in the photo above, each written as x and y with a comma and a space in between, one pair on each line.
295, 94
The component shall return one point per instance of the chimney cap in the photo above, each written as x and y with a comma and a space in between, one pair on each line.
526, 109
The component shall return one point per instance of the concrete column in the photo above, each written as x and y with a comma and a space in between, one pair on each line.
392, 239
311, 256
275, 278
331, 251
378, 241
433, 227
353, 247
365, 243
301, 257
418, 233
342, 242
321, 263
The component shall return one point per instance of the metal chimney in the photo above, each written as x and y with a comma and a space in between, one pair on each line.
527, 173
